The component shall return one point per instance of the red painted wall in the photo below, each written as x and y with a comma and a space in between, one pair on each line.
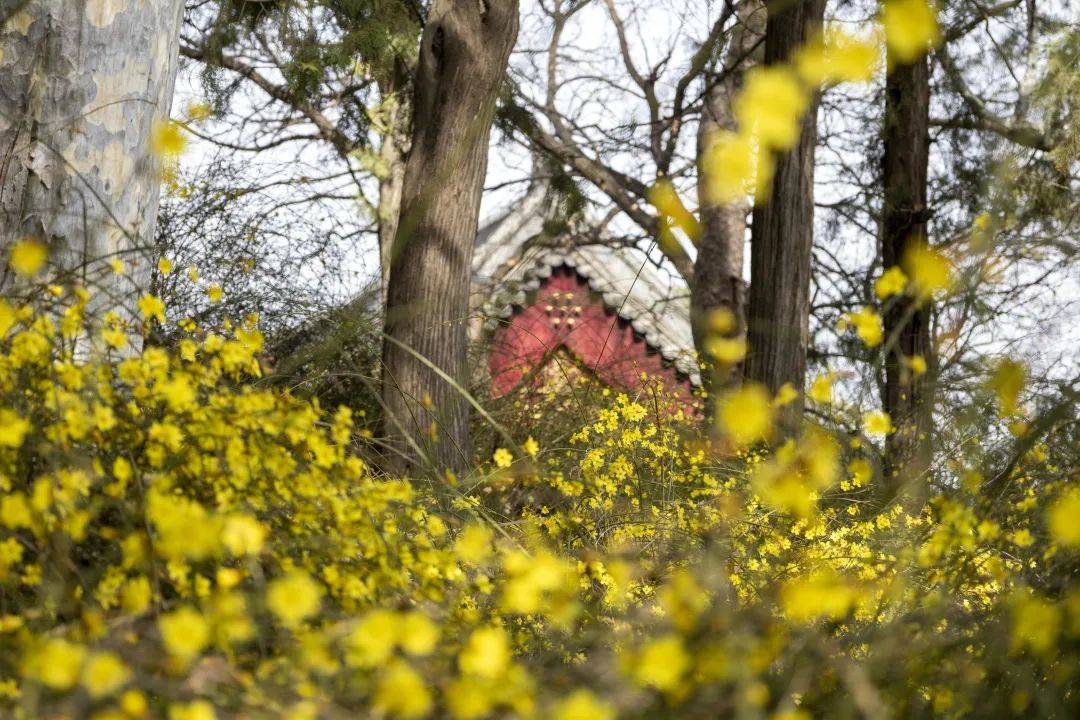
563, 312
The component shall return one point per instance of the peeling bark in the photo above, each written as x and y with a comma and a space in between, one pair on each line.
82, 83
463, 56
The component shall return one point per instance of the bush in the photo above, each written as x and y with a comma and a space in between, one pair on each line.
180, 541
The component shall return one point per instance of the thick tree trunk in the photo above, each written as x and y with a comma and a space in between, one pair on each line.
906, 396
718, 270
783, 228
82, 83
463, 55
393, 153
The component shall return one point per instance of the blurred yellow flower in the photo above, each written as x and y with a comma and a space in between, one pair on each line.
867, 325
152, 308
294, 598
503, 458
838, 56
184, 632
486, 654
930, 272
104, 674
821, 389
55, 663
1007, 381
771, 105
877, 423
662, 662
892, 282
167, 139
911, 28
582, 704
28, 256
746, 414
1063, 518
13, 429
401, 692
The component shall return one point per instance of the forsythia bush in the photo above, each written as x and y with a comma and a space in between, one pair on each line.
176, 542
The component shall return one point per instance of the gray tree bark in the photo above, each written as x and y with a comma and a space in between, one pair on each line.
463, 56
906, 397
718, 269
783, 229
393, 153
82, 83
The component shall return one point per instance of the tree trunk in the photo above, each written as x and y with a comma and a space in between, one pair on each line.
463, 55
783, 228
906, 396
718, 269
393, 153
82, 83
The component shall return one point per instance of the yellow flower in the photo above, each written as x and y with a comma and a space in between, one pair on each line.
152, 307
184, 632
916, 364
746, 414
785, 395
821, 389
734, 166
473, 544
911, 28
13, 429
582, 704
662, 663
838, 57
167, 139
401, 692
28, 256
1036, 623
771, 104
667, 202
372, 641
1063, 518
15, 511
486, 654
1007, 382
877, 422
198, 710
503, 458
135, 597
215, 293
104, 674
417, 635
726, 350
164, 266
198, 110
531, 447
243, 535
55, 663
293, 598
133, 703
7, 318
892, 282
868, 326
930, 271
821, 594
193, 273
117, 266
